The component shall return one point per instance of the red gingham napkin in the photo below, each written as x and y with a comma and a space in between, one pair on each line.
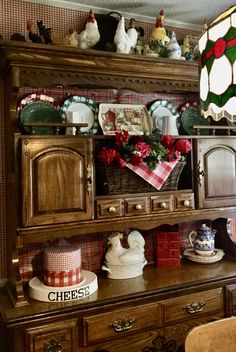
157, 176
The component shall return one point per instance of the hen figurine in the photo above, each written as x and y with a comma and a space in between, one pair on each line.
90, 36
124, 263
69, 40
121, 39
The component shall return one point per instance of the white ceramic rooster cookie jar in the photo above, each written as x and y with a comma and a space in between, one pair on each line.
125, 263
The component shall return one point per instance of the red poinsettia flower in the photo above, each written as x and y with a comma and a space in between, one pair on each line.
167, 140
122, 137
108, 155
136, 159
144, 149
183, 145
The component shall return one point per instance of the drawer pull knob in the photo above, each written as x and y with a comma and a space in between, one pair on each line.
163, 205
122, 324
138, 207
54, 345
112, 210
186, 203
195, 307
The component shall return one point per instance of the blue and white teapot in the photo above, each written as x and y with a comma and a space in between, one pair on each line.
203, 240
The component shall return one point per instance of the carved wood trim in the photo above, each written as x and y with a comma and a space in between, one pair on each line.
38, 65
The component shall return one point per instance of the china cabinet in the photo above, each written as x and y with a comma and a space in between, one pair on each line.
133, 315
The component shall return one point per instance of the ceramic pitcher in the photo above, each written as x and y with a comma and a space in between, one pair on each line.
203, 240
169, 125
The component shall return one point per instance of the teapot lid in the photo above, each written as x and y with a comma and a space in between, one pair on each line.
204, 227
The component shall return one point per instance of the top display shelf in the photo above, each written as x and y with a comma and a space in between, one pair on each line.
41, 65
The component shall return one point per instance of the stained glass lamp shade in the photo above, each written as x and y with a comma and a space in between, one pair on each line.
217, 67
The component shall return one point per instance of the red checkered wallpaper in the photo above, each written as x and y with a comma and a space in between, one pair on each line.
13, 17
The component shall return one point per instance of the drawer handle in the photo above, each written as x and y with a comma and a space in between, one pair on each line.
195, 307
54, 345
186, 203
122, 324
112, 210
138, 207
163, 205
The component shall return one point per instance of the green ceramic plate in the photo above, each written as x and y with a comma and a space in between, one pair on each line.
39, 111
191, 117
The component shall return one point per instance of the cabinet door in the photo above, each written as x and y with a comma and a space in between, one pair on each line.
57, 176
215, 170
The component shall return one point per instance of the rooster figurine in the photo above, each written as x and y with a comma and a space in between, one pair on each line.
158, 37
90, 36
132, 33
124, 262
121, 39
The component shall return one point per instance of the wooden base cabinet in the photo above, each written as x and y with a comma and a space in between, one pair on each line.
150, 313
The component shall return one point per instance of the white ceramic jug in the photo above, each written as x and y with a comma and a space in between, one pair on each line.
169, 125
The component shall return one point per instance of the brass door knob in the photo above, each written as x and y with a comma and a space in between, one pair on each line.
112, 210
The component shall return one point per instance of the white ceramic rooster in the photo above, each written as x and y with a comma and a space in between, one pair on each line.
90, 35
121, 39
124, 262
132, 33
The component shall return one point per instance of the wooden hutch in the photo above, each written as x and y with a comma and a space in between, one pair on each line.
157, 308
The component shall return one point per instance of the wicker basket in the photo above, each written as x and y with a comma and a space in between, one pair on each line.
119, 181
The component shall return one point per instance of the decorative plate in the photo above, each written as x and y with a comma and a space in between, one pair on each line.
214, 257
39, 111
165, 117
191, 116
79, 109
132, 118
36, 97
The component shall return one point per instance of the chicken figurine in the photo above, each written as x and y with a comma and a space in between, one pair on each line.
122, 40
122, 262
69, 40
158, 37
90, 36
132, 33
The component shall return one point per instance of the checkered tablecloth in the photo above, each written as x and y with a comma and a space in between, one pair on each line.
156, 177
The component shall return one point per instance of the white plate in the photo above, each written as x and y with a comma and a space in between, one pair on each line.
214, 257
116, 117
163, 109
78, 109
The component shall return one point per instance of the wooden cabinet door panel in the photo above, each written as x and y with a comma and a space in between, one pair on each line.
56, 180
215, 165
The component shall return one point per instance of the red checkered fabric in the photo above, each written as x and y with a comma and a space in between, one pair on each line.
63, 278
156, 177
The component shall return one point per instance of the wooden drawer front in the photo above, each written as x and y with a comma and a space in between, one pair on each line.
120, 322
53, 337
230, 294
136, 206
109, 208
162, 204
191, 306
184, 201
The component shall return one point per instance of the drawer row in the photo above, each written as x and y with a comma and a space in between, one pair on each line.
164, 202
116, 323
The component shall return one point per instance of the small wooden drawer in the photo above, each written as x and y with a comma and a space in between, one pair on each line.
136, 206
119, 323
58, 336
197, 304
109, 208
162, 203
184, 201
